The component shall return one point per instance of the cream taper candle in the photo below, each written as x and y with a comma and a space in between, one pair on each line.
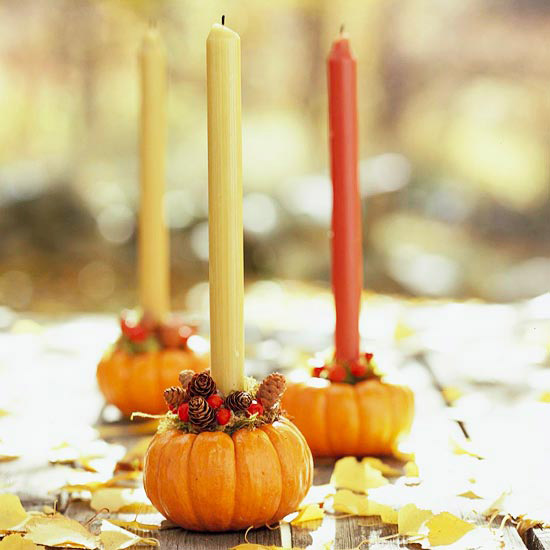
154, 278
223, 61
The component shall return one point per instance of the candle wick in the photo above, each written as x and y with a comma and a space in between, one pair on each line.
342, 28
223, 19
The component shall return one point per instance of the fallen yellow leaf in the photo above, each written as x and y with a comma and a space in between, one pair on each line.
135, 524
452, 394
382, 467
131, 501
411, 469
113, 537
17, 542
133, 459
469, 494
359, 505
59, 531
358, 476
8, 457
12, 513
464, 447
410, 519
313, 512
317, 494
446, 528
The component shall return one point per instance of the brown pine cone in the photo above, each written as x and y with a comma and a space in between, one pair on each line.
201, 415
271, 390
185, 377
238, 401
174, 397
202, 384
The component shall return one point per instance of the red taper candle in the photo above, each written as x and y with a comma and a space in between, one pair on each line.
347, 256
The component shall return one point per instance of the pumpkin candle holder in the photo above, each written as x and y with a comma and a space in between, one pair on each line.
226, 462
147, 357
346, 409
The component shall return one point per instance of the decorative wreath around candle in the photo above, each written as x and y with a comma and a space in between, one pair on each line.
346, 409
226, 462
147, 357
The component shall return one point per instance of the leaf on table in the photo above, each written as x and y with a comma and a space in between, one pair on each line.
445, 528
61, 532
411, 469
133, 459
313, 512
12, 514
17, 542
475, 539
317, 494
93, 486
452, 394
382, 467
132, 501
113, 537
469, 494
464, 447
358, 476
359, 505
410, 519
135, 524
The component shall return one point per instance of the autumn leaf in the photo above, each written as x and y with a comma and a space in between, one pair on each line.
411, 469
382, 467
131, 501
93, 486
60, 531
410, 519
469, 494
12, 513
359, 505
317, 494
313, 512
17, 542
113, 537
357, 476
464, 447
133, 459
452, 394
135, 524
445, 528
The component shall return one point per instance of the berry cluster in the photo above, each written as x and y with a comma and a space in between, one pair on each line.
349, 372
200, 406
141, 333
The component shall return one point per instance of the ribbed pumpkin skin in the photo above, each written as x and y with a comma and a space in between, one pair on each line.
137, 382
342, 419
216, 482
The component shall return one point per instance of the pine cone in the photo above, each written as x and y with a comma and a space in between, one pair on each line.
201, 415
174, 397
238, 401
271, 390
202, 384
185, 377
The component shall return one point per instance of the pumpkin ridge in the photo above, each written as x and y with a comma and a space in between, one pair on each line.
264, 429
200, 521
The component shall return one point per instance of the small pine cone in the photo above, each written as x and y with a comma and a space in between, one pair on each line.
174, 397
238, 401
202, 384
201, 415
185, 377
271, 390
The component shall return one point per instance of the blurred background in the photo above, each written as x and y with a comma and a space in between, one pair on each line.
454, 143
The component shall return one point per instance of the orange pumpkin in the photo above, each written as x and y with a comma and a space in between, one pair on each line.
213, 481
135, 382
338, 419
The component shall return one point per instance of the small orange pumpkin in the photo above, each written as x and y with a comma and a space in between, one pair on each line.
135, 382
213, 481
339, 419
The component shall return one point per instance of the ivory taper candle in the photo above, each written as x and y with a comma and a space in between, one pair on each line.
154, 282
225, 214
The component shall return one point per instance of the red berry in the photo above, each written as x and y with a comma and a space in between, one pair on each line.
133, 330
183, 412
358, 370
223, 416
337, 373
215, 401
317, 371
368, 357
255, 408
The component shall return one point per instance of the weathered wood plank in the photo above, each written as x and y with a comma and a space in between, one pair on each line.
538, 539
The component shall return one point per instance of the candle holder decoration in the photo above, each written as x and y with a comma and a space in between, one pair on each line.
147, 357
226, 462
346, 409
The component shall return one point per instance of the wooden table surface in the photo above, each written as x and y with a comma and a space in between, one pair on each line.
48, 387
